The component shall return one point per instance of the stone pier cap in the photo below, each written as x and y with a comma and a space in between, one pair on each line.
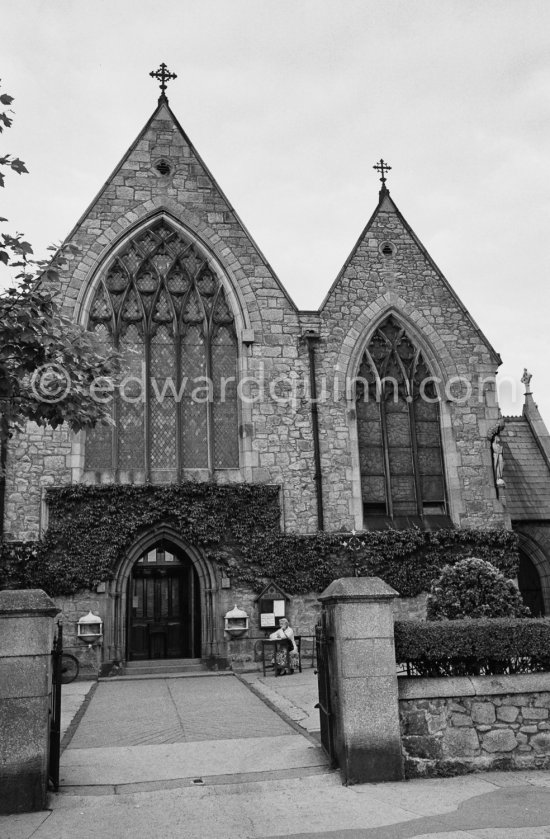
32, 601
357, 588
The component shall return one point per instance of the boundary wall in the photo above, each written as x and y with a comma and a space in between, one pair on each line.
454, 725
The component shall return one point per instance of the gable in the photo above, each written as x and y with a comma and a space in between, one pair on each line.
389, 264
162, 173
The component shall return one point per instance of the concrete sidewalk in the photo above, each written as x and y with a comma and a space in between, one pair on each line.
489, 806
288, 802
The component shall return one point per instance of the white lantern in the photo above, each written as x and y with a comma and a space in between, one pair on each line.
236, 621
90, 628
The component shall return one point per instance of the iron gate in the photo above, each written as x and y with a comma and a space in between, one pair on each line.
322, 642
55, 709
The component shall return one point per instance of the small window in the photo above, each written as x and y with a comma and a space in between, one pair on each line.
163, 168
388, 249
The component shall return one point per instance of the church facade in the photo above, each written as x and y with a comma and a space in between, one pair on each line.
377, 410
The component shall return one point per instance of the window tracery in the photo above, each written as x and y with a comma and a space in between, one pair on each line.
398, 424
160, 303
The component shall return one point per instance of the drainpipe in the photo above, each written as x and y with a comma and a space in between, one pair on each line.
312, 338
4, 432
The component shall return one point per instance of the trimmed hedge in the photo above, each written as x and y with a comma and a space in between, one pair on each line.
473, 647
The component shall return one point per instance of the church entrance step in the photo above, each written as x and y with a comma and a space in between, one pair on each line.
160, 667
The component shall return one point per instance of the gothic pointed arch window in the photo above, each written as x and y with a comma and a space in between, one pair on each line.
398, 425
162, 306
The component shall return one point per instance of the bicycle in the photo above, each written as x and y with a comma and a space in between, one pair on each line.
69, 668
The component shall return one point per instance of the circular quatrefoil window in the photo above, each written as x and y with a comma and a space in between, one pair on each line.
163, 168
388, 249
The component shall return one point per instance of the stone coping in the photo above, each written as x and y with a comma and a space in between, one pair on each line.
31, 601
358, 588
444, 687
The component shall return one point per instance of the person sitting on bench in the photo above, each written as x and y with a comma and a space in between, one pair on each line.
286, 657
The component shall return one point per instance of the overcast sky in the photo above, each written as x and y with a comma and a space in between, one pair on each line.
290, 103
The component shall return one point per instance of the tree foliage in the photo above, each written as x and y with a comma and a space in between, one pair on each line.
474, 588
47, 363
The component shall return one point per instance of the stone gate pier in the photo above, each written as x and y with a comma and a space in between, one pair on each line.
363, 680
26, 637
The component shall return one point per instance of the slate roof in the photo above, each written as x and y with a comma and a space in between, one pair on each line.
525, 471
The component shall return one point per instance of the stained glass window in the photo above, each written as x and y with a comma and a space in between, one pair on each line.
398, 426
163, 399
224, 405
162, 306
99, 441
194, 403
131, 401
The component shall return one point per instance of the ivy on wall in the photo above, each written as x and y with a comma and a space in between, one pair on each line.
409, 560
237, 526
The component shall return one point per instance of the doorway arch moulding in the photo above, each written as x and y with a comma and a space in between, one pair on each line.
117, 621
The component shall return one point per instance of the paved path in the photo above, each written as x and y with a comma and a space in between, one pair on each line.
296, 697
147, 712
138, 735
73, 698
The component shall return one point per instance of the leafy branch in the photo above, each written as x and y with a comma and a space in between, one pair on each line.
37, 339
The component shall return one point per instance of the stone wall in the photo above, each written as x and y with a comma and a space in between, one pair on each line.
37, 459
302, 610
457, 725
72, 607
244, 652
410, 608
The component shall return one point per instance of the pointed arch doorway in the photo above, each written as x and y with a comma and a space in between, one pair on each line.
164, 605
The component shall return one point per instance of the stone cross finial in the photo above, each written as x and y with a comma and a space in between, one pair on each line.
382, 167
162, 75
526, 380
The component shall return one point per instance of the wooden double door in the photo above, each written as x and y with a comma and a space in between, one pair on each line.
164, 607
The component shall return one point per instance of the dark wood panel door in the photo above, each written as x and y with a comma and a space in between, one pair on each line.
162, 605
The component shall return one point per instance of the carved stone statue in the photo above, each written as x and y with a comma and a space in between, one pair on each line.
526, 380
498, 460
